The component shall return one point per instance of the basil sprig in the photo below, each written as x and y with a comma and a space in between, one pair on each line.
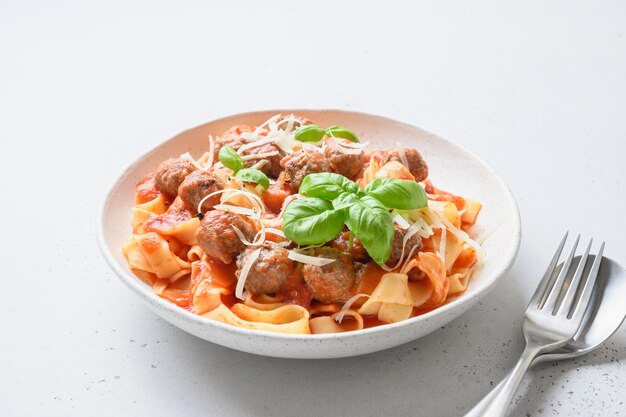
327, 185
397, 194
312, 220
333, 200
370, 221
231, 159
253, 175
315, 133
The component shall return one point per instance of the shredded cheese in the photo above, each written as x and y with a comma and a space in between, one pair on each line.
355, 145
188, 157
291, 121
437, 222
209, 163
276, 232
425, 231
409, 263
245, 270
254, 199
255, 144
235, 209
347, 305
309, 260
460, 234
259, 155
401, 221
288, 200
409, 234
255, 135
260, 165
243, 239
402, 154
345, 149
206, 197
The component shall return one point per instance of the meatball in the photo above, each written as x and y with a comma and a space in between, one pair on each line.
347, 165
232, 138
300, 164
171, 173
342, 243
272, 167
282, 122
269, 272
330, 283
217, 237
417, 165
396, 249
196, 186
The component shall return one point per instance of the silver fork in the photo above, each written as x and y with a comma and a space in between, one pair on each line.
552, 318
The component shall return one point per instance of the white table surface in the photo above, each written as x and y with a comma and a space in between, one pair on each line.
537, 89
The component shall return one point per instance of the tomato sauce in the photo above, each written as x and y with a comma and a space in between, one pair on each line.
174, 215
369, 279
146, 189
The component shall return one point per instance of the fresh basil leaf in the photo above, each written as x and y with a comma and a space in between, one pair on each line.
312, 221
309, 133
341, 132
230, 158
345, 200
326, 185
253, 175
372, 224
397, 194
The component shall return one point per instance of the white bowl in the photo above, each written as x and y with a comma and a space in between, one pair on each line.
452, 168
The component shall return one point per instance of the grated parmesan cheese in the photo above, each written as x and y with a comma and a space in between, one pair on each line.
309, 260
347, 305
245, 270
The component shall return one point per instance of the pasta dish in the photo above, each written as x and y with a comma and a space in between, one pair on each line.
292, 227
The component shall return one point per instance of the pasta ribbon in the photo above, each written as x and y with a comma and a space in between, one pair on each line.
286, 319
265, 302
207, 286
141, 213
150, 252
435, 269
351, 321
175, 222
394, 298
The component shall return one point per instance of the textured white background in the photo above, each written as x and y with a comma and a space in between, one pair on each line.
538, 90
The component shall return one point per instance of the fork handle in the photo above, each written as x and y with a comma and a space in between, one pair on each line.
501, 396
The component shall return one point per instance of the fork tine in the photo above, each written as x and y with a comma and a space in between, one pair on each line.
568, 300
556, 289
585, 297
540, 292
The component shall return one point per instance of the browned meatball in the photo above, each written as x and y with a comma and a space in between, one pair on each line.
342, 243
396, 250
171, 173
299, 121
232, 138
417, 165
272, 167
217, 237
269, 272
196, 186
300, 164
330, 283
345, 164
